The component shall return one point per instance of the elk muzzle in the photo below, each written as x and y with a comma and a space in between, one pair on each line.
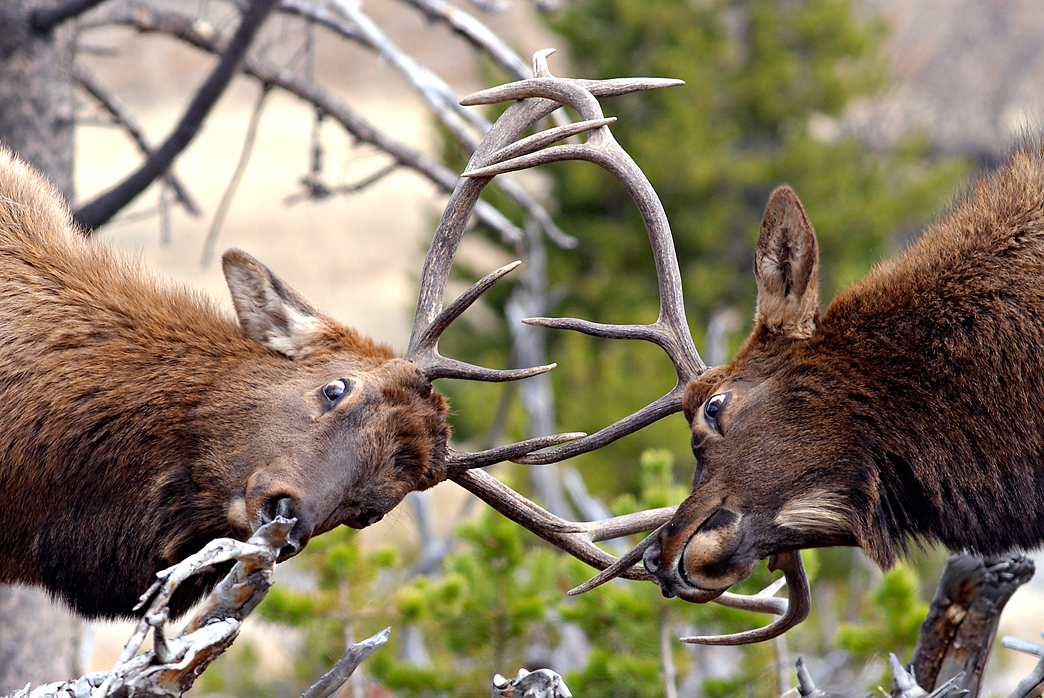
698, 556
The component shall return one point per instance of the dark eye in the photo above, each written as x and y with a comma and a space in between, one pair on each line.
335, 389
712, 409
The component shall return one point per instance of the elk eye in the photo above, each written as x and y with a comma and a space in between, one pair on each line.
335, 389
712, 409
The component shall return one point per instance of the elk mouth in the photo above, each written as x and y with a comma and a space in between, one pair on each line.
673, 580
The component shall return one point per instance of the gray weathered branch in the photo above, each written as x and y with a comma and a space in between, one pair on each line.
957, 636
173, 665
148, 18
123, 116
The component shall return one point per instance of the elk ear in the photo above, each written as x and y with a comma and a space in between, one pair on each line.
786, 266
270, 312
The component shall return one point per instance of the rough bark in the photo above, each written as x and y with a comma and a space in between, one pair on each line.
962, 622
36, 91
38, 640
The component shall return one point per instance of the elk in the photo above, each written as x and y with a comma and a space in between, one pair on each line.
910, 411
140, 422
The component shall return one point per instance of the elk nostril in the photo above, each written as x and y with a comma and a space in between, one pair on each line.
280, 505
651, 558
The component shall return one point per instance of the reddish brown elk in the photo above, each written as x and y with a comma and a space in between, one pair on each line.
140, 422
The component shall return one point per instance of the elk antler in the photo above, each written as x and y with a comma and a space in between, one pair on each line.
499, 153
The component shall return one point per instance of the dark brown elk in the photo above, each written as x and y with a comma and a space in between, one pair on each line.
139, 422
910, 411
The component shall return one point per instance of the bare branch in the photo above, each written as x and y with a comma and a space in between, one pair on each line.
97, 212
357, 26
44, 19
957, 635
123, 116
147, 18
237, 177
174, 664
346, 666
477, 34
316, 188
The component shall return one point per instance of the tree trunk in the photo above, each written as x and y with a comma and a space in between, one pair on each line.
38, 639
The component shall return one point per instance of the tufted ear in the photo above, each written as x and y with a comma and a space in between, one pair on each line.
270, 312
786, 266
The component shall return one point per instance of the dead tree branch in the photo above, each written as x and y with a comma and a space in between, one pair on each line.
126, 118
477, 34
147, 18
444, 102
174, 664
44, 19
1032, 685
237, 176
96, 212
957, 636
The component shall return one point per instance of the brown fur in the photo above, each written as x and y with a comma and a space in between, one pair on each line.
139, 422
911, 410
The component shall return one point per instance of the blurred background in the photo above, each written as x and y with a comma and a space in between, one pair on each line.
878, 112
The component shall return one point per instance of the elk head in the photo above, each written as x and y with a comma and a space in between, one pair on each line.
374, 428
776, 470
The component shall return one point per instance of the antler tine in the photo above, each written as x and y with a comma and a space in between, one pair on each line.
575, 538
666, 405
798, 607
462, 460
424, 351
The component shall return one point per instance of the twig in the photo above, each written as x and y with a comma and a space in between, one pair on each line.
44, 19
315, 188
478, 35
125, 118
166, 202
782, 662
439, 96
346, 665
670, 674
95, 213
237, 178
